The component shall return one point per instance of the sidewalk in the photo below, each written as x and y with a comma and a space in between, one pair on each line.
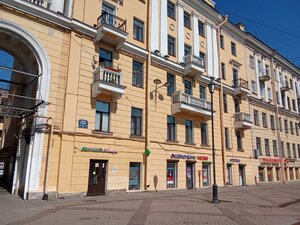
275, 204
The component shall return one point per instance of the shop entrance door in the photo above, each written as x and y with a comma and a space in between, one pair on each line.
97, 177
190, 175
205, 175
242, 175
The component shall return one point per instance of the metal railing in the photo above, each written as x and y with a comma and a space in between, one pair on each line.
112, 21
108, 75
181, 97
42, 3
190, 58
241, 116
240, 83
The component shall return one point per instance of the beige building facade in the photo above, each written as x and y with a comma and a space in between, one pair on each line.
109, 96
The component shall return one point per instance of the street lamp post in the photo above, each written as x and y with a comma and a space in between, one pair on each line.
211, 87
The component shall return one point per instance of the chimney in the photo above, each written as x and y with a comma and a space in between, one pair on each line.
241, 26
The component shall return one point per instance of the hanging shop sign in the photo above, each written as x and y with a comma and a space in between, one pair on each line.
234, 160
83, 124
100, 150
181, 156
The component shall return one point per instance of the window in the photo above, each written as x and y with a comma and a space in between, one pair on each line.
252, 63
189, 132
264, 120
187, 49
134, 176
286, 128
289, 103
270, 98
222, 42
223, 71
262, 89
291, 84
282, 149
272, 122
229, 174
267, 70
202, 55
201, 28
171, 132
136, 121
233, 48
225, 103
204, 134
138, 29
187, 20
188, 87
102, 116
253, 86
105, 58
288, 148
171, 10
277, 97
294, 151
297, 129
298, 150
267, 147
256, 118
275, 148
235, 75
239, 140
171, 174
137, 74
292, 127
294, 104
227, 138
202, 91
237, 105
171, 46
258, 146
261, 174
283, 98
172, 87
280, 125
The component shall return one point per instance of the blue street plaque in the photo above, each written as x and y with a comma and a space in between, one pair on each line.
83, 124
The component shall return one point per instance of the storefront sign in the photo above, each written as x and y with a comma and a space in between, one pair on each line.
100, 150
202, 157
234, 160
83, 124
180, 156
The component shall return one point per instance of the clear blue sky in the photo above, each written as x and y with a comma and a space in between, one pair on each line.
282, 15
7, 61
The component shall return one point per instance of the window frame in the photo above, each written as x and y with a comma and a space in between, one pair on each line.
171, 45
225, 103
222, 42
264, 120
134, 119
101, 117
136, 72
267, 147
189, 128
136, 29
171, 89
223, 70
201, 25
187, 20
239, 140
169, 6
204, 134
233, 49
227, 138
256, 117
171, 126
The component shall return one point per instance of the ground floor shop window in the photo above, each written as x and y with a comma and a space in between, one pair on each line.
171, 175
297, 173
291, 174
242, 175
270, 174
206, 175
278, 177
261, 174
229, 174
135, 176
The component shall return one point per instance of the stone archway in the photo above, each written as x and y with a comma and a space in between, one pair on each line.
37, 56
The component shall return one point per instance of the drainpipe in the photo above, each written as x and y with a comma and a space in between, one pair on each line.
279, 147
147, 98
45, 195
221, 100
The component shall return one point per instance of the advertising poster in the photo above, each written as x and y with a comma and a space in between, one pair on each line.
170, 177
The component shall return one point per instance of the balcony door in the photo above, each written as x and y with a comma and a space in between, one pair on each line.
105, 58
109, 12
235, 75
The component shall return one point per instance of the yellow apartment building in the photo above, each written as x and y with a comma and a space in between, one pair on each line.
103, 97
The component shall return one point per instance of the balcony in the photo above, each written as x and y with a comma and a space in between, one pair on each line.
193, 64
264, 75
240, 87
42, 3
182, 102
53, 5
108, 81
284, 86
242, 121
111, 29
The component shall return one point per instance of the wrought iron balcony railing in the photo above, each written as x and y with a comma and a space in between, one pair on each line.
240, 83
112, 20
